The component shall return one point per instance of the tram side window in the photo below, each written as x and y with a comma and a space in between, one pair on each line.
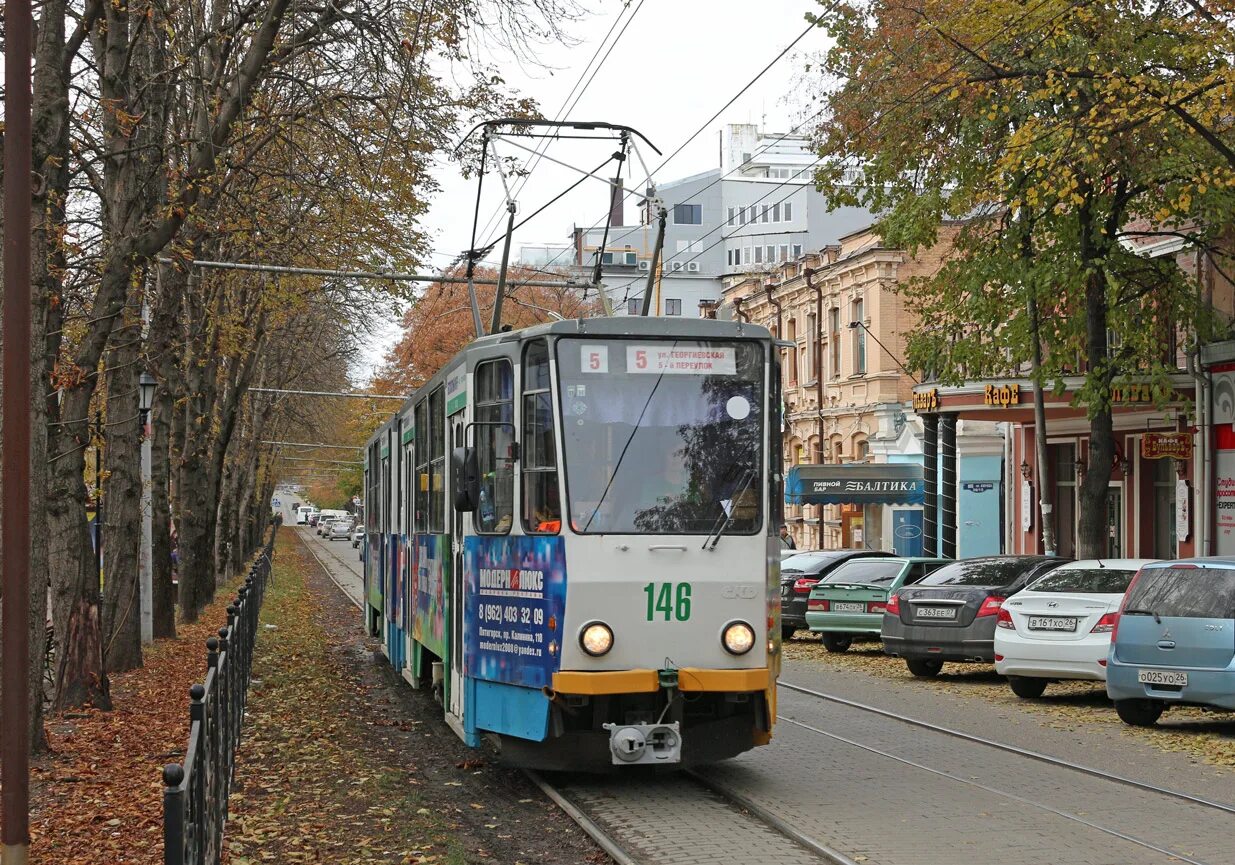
542, 504
494, 437
437, 465
420, 488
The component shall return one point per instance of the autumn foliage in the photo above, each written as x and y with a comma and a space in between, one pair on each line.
439, 322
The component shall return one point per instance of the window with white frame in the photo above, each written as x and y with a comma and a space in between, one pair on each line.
732, 216
673, 306
787, 211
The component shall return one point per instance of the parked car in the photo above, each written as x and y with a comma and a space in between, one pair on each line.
849, 601
949, 615
1174, 640
798, 575
1059, 626
339, 530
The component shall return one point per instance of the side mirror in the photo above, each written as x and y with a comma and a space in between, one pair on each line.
465, 478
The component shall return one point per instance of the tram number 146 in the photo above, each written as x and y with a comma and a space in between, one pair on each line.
668, 601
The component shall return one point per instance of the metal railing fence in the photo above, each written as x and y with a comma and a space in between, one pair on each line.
195, 792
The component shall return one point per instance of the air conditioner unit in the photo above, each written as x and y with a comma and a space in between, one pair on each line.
692, 267
677, 265
645, 265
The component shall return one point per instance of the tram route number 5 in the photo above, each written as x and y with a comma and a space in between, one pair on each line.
668, 600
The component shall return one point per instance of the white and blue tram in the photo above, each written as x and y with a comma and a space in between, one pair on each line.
572, 540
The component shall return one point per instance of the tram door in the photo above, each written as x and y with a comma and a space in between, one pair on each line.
456, 584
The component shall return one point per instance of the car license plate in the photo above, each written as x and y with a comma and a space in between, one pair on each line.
936, 612
1162, 677
847, 607
1052, 623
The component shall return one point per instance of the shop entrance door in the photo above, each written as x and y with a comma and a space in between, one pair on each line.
1115, 521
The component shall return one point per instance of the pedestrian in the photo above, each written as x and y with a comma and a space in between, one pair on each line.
786, 539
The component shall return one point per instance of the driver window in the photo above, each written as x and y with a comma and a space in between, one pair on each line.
494, 439
542, 504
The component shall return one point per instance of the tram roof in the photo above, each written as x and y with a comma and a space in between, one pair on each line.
632, 325
607, 326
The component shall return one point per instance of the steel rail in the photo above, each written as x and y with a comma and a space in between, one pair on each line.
1050, 809
392, 276
325, 393
583, 821
313, 445
1016, 749
310, 547
835, 857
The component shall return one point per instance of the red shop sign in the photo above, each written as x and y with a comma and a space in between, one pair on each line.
1156, 446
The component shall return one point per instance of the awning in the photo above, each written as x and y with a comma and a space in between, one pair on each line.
855, 484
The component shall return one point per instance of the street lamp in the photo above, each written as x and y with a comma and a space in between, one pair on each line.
1026, 471
146, 386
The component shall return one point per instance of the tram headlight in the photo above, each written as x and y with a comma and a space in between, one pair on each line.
596, 639
738, 638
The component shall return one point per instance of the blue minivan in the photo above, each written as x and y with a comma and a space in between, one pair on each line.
1174, 641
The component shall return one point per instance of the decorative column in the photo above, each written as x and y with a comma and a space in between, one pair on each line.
947, 428
930, 499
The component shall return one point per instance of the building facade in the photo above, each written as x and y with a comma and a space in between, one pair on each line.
1174, 466
853, 447
757, 210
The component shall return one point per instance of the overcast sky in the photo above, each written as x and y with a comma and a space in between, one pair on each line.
676, 64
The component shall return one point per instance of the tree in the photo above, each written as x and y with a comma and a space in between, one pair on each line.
438, 324
959, 111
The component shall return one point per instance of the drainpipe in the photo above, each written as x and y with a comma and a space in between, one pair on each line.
768, 289
1203, 475
737, 307
818, 289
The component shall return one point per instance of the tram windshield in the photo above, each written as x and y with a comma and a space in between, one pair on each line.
662, 436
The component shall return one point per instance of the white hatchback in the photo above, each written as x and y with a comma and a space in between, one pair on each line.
1059, 627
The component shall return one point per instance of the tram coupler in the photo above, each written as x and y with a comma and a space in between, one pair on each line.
632, 744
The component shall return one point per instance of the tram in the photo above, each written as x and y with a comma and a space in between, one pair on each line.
571, 539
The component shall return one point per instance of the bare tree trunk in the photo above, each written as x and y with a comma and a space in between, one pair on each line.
161, 546
1091, 528
121, 612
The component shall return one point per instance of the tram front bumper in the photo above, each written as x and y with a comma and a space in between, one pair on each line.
658, 740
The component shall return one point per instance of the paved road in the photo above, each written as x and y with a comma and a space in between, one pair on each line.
883, 793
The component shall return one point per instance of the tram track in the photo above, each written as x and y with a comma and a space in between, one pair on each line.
597, 805
1012, 749
645, 818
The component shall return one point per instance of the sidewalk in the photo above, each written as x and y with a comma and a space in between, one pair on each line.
342, 762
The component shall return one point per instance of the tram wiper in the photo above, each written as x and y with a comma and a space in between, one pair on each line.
726, 513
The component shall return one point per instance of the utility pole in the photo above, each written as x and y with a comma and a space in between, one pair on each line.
15, 449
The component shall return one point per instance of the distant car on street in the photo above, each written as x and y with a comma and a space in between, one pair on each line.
357, 537
950, 614
340, 530
849, 601
1059, 626
1174, 640
798, 575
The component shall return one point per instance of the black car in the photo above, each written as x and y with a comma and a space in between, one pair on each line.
798, 575
950, 614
